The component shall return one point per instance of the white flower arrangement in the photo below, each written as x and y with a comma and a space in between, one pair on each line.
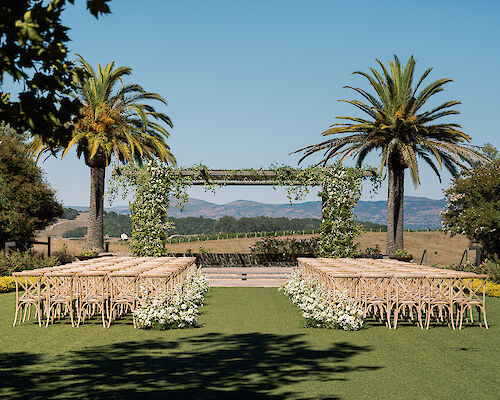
176, 309
321, 308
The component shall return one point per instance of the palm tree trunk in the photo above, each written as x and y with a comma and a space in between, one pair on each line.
395, 195
95, 229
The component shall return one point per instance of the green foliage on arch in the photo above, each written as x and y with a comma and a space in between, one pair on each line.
154, 184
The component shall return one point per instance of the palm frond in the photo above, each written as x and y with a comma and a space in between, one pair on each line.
398, 126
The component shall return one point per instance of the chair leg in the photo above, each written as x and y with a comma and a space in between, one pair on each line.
462, 310
457, 320
48, 315
16, 314
25, 309
450, 317
483, 310
428, 322
101, 305
39, 314
111, 315
396, 314
106, 303
419, 317
79, 312
71, 314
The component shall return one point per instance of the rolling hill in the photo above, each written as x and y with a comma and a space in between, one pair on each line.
420, 212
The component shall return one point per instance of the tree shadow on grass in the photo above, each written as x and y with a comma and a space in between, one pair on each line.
207, 366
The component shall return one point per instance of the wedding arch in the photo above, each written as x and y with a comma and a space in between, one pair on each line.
155, 183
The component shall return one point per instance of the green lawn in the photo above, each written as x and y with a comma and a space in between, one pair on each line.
252, 345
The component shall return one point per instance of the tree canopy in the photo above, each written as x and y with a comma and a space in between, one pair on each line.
473, 207
396, 123
34, 54
27, 203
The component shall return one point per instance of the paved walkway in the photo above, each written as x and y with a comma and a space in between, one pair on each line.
246, 276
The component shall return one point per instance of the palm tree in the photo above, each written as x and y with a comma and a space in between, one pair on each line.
117, 121
402, 131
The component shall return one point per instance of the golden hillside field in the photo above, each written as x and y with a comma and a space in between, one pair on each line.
441, 248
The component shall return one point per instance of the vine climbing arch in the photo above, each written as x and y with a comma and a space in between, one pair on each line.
155, 183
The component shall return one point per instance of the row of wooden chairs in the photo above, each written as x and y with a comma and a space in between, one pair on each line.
392, 291
80, 290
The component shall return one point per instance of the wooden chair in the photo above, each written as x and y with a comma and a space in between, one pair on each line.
408, 297
157, 282
376, 297
439, 296
470, 298
30, 284
60, 296
92, 295
123, 291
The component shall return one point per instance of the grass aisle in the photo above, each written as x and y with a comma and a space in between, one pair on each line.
252, 345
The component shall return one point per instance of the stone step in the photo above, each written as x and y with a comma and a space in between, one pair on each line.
247, 283
246, 276
243, 277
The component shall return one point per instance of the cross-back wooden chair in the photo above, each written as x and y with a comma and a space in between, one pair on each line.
157, 282
408, 298
60, 296
439, 297
123, 292
92, 295
29, 292
375, 295
344, 282
472, 297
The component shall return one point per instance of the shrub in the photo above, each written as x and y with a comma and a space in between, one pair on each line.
492, 289
488, 267
288, 248
7, 284
89, 253
63, 256
19, 261
370, 252
400, 253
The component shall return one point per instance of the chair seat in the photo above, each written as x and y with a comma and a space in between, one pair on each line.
123, 299
31, 299
473, 302
93, 299
408, 301
440, 302
375, 301
61, 299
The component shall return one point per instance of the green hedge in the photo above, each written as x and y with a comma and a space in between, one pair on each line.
16, 261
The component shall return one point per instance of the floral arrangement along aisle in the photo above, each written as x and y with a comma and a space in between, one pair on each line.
175, 309
323, 309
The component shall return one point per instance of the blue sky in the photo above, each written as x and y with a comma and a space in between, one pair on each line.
249, 82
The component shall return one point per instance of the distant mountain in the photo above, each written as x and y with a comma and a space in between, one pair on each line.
245, 208
420, 212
